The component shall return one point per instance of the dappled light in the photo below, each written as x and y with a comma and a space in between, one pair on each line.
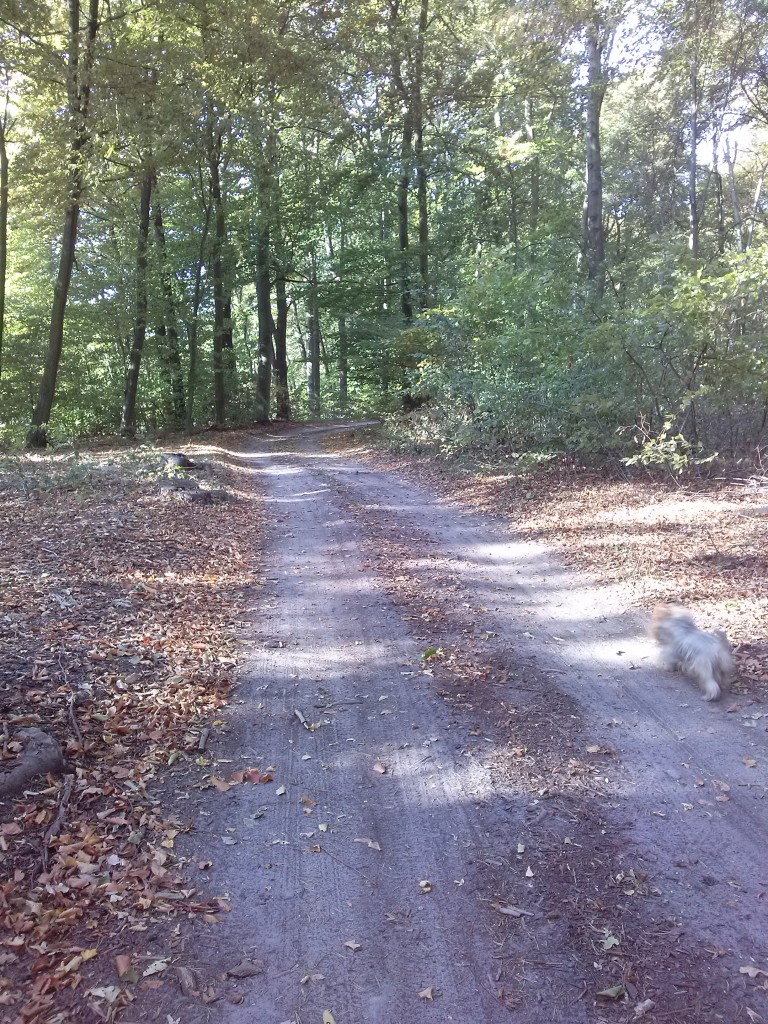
301, 693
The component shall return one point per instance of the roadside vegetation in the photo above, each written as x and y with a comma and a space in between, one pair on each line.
543, 222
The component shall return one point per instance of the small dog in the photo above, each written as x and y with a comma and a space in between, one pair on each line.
704, 657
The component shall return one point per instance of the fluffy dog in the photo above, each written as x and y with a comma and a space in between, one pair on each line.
704, 657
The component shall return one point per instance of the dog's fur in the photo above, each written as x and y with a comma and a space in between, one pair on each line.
704, 657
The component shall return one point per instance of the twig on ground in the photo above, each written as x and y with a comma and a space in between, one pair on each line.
71, 705
53, 830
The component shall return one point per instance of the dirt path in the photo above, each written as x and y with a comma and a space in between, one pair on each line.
536, 761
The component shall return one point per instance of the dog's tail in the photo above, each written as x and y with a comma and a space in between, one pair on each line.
709, 688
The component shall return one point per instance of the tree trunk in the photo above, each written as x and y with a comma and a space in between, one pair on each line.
406, 156
313, 345
128, 420
282, 394
533, 219
3, 222
595, 240
78, 93
421, 195
738, 224
222, 308
419, 159
694, 214
264, 310
192, 324
756, 206
169, 328
343, 364
387, 284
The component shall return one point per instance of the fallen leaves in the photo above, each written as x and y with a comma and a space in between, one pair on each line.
370, 843
753, 972
613, 994
118, 611
246, 969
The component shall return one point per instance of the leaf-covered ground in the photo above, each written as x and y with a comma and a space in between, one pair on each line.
119, 610
702, 543
117, 615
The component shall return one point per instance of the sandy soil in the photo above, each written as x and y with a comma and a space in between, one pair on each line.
488, 803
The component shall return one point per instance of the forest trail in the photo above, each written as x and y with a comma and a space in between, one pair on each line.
488, 803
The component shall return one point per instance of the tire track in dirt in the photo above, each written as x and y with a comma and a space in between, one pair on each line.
411, 859
689, 796
338, 634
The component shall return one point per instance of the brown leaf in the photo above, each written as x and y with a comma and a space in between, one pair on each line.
246, 969
187, 981
123, 964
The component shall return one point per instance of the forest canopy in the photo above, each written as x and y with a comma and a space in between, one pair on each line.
540, 225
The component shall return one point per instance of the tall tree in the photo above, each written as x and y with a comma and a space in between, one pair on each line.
128, 419
5, 127
167, 328
598, 36
81, 52
216, 125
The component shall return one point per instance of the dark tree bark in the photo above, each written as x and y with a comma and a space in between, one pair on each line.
387, 284
406, 158
313, 344
4, 125
128, 419
403, 188
222, 305
264, 312
78, 103
419, 158
408, 88
694, 213
421, 197
168, 330
282, 394
343, 364
597, 42
197, 298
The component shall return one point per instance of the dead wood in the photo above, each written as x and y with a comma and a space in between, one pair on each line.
53, 829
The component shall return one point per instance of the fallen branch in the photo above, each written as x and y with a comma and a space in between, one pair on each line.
71, 705
54, 828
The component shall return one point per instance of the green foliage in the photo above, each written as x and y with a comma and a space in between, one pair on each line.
527, 362
509, 348
665, 449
